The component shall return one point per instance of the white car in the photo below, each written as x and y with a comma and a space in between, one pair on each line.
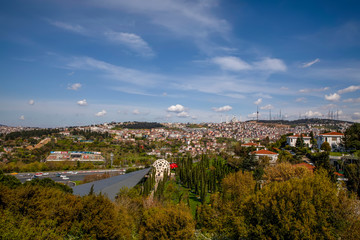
65, 178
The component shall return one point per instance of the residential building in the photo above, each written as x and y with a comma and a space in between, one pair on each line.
333, 138
291, 140
266, 153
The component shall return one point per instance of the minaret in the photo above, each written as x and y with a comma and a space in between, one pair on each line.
257, 113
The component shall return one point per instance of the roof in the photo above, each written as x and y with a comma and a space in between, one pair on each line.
339, 174
307, 165
111, 186
264, 152
297, 136
332, 134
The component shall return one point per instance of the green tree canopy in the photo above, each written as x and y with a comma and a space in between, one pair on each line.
352, 137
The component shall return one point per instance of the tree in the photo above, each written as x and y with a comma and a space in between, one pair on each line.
237, 186
306, 208
352, 137
352, 173
313, 140
9, 181
326, 147
167, 222
300, 142
284, 172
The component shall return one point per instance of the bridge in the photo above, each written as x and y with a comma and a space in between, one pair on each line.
111, 186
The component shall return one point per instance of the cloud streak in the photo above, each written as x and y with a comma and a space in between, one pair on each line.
101, 113
309, 64
74, 86
349, 89
232, 63
69, 27
132, 41
222, 109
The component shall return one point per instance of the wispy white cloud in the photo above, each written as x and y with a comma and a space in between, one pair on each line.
190, 20
259, 101
101, 113
231, 63
270, 64
222, 109
352, 100
308, 64
176, 108
311, 114
267, 107
308, 90
22, 117
349, 89
31, 102
183, 114
253, 115
284, 88
120, 73
82, 102
69, 27
74, 86
132, 41
332, 97
355, 116
136, 112
302, 99
180, 17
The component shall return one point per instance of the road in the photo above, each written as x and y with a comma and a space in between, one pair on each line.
72, 175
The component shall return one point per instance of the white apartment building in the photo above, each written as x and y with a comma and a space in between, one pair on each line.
333, 138
291, 140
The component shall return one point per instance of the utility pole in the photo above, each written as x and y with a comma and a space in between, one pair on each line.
111, 159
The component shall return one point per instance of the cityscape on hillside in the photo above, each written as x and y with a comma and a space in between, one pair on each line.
179, 119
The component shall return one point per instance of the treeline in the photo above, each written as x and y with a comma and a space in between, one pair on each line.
31, 133
140, 125
304, 121
47, 166
292, 204
43, 210
204, 176
88, 134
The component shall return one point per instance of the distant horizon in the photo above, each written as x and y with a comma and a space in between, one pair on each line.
199, 123
85, 62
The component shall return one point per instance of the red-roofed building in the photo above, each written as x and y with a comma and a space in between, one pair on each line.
291, 140
307, 165
266, 153
333, 138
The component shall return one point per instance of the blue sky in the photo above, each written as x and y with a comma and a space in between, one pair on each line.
83, 62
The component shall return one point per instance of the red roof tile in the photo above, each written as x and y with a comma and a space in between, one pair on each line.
308, 166
333, 134
262, 151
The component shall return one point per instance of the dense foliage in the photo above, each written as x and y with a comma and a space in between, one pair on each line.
352, 137
140, 125
31, 133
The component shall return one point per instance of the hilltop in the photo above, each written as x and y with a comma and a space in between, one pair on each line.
305, 121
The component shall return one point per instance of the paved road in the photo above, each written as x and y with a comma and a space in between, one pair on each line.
111, 186
72, 175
